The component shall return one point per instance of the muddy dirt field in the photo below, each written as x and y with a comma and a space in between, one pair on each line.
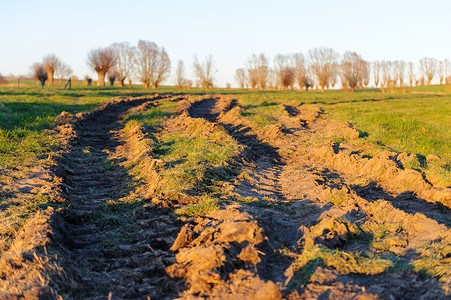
300, 216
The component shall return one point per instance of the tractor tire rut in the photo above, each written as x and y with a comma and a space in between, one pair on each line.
290, 214
305, 196
105, 252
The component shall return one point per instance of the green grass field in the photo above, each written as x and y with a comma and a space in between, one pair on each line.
418, 122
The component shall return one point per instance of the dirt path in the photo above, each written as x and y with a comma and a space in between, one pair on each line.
110, 244
306, 217
309, 201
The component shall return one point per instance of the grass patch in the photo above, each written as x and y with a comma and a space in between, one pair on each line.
343, 261
266, 202
206, 205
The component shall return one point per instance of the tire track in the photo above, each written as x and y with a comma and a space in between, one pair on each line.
110, 242
319, 199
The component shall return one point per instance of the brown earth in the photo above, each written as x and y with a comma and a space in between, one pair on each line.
298, 194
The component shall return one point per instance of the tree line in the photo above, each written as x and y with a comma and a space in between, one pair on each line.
123, 62
321, 68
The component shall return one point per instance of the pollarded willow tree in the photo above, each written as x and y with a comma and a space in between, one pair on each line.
263, 71
441, 71
240, 77
322, 64
204, 72
125, 59
447, 64
152, 63
387, 74
366, 74
376, 73
411, 73
284, 72
63, 71
180, 74
400, 72
101, 61
300, 71
428, 67
252, 71
51, 63
352, 69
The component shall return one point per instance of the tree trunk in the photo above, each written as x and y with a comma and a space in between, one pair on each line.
50, 77
100, 79
121, 82
322, 88
154, 86
146, 85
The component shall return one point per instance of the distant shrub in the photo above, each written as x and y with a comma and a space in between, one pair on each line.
39, 73
87, 80
112, 76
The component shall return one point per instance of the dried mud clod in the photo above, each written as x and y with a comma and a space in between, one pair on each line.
218, 256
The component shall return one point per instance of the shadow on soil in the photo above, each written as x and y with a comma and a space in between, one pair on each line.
107, 239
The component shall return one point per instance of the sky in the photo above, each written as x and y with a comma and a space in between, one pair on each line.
231, 31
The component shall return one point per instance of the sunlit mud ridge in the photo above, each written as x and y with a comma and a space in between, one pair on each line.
110, 240
286, 211
309, 203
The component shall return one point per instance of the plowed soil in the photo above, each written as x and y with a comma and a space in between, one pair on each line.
306, 218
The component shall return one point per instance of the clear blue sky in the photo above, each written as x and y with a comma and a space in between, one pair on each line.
229, 30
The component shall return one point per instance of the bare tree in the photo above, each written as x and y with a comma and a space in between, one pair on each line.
125, 58
272, 82
322, 62
252, 71
447, 71
411, 73
63, 71
204, 71
428, 67
262, 71
39, 73
240, 77
333, 81
180, 75
285, 73
51, 63
153, 63
101, 60
377, 73
400, 72
352, 68
252, 77
300, 70
441, 71
180, 80
366, 73
387, 74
